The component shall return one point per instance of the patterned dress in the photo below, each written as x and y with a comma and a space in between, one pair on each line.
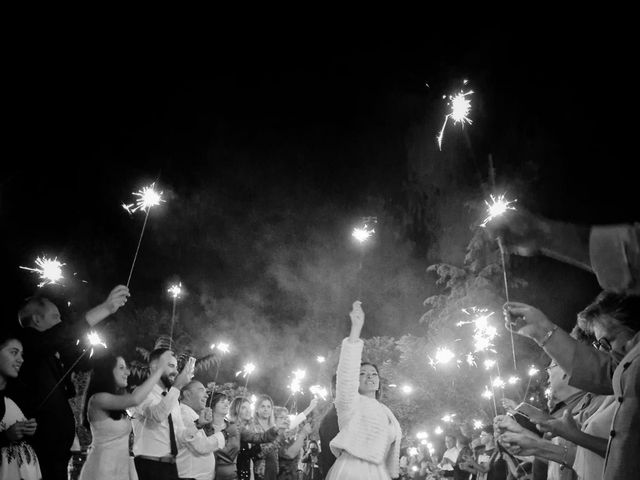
19, 460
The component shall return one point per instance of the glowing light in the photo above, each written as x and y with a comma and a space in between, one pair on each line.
414, 468
531, 399
320, 359
477, 424
298, 376
406, 389
489, 364
252, 404
95, 340
513, 380
412, 451
247, 370
484, 333
487, 393
223, 347
319, 391
443, 355
533, 371
424, 442
147, 197
497, 207
422, 435
471, 361
547, 393
498, 383
175, 290
50, 271
365, 230
438, 430
448, 417
460, 109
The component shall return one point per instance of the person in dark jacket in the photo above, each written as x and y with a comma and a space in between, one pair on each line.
51, 348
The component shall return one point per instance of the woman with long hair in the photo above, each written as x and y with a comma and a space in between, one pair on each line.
266, 463
368, 444
240, 416
104, 413
17, 457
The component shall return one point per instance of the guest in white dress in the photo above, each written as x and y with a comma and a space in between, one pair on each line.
18, 459
105, 414
368, 443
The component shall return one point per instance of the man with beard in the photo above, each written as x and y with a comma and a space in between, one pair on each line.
157, 422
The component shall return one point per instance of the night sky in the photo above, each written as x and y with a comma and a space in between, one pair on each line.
268, 150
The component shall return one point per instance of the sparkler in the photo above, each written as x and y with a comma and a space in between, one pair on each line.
477, 424
93, 340
148, 197
175, 291
320, 359
496, 208
318, 391
412, 451
490, 394
438, 430
460, 109
406, 389
448, 417
224, 348
362, 233
422, 435
513, 380
443, 355
50, 271
246, 372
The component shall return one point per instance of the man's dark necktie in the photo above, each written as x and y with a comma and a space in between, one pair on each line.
172, 434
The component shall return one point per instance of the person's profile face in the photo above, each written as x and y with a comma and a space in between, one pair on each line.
11, 358
121, 373
50, 316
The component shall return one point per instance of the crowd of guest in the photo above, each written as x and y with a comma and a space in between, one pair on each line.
180, 430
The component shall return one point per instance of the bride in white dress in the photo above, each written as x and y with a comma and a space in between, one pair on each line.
105, 414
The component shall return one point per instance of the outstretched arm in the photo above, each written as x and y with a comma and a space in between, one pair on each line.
116, 299
349, 367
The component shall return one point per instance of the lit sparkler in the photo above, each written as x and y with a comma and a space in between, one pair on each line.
148, 197
412, 451
477, 424
484, 333
422, 435
320, 359
319, 391
487, 393
93, 340
448, 417
513, 380
175, 291
497, 207
498, 383
223, 347
365, 230
533, 371
460, 109
406, 389
298, 376
50, 271
489, 364
438, 430
443, 355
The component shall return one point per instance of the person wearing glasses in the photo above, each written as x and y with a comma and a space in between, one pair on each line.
613, 368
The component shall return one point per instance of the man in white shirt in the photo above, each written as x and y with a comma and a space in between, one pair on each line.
450, 456
195, 458
157, 423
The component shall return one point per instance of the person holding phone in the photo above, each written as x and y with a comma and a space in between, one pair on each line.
157, 421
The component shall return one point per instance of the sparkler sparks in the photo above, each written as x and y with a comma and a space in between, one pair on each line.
497, 207
460, 109
147, 197
50, 271
533, 371
438, 430
365, 230
443, 355
448, 417
247, 370
487, 393
477, 424
412, 451
320, 359
489, 364
298, 376
175, 290
422, 435
513, 380
223, 347
498, 382
319, 391
484, 333
406, 389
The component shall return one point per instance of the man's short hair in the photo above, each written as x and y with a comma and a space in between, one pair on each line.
157, 353
35, 305
187, 386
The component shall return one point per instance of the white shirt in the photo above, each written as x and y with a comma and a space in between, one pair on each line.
195, 450
151, 423
451, 454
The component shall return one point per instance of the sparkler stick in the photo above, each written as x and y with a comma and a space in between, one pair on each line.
175, 291
94, 340
362, 233
148, 198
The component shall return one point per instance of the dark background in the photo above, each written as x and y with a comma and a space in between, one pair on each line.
269, 150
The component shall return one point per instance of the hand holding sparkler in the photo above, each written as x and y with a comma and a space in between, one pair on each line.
19, 430
357, 320
116, 299
528, 321
186, 374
